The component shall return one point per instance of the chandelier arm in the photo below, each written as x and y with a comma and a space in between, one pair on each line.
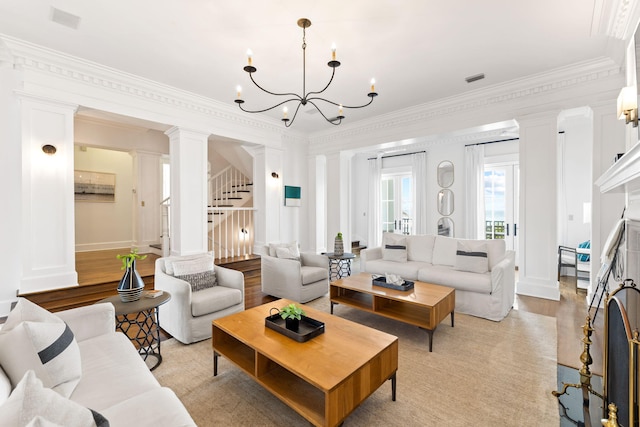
273, 93
289, 123
333, 73
335, 121
344, 106
270, 108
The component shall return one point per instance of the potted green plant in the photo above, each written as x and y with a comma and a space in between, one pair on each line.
131, 285
292, 314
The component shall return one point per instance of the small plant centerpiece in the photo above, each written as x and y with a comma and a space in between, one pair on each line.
292, 314
131, 285
338, 247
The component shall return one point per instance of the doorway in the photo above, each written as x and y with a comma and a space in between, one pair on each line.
397, 210
501, 198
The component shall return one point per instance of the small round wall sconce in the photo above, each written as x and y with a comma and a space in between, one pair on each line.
275, 175
49, 149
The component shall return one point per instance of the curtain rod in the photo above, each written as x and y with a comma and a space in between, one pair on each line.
397, 155
493, 142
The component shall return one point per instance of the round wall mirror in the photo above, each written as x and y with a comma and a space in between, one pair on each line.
445, 202
445, 227
445, 174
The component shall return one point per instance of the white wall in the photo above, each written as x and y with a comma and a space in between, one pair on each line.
104, 225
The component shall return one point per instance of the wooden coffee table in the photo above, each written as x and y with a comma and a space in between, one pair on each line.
426, 305
323, 379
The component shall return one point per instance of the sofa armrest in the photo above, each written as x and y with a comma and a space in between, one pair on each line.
314, 260
179, 289
369, 254
90, 321
503, 276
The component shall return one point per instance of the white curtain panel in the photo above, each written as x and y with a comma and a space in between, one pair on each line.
419, 175
474, 191
375, 227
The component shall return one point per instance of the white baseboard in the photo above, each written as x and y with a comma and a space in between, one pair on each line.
538, 289
88, 247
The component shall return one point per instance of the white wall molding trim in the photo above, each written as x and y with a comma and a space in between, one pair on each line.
89, 247
56, 75
538, 289
573, 84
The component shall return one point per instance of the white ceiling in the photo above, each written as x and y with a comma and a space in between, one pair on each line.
417, 50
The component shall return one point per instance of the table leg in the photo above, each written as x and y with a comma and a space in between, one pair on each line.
393, 387
332, 303
430, 332
215, 363
452, 319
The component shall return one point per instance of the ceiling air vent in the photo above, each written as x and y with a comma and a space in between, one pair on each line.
477, 77
65, 18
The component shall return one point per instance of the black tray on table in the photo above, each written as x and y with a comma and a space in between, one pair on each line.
309, 328
382, 281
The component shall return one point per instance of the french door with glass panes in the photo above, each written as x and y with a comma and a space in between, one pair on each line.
501, 183
396, 203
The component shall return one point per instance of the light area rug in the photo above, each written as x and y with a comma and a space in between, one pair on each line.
480, 373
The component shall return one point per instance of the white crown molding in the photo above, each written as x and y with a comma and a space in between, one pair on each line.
622, 20
47, 63
520, 94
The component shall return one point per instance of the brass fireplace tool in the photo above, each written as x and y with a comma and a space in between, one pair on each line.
585, 358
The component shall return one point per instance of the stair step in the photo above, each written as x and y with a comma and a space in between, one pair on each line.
229, 198
221, 206
243, 185
237, 191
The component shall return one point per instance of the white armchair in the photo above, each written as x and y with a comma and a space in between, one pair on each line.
300, 281
187, 315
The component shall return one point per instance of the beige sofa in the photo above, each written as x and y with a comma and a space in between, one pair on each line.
436, 259
114, 381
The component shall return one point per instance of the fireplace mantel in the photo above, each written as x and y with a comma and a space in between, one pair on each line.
625, 171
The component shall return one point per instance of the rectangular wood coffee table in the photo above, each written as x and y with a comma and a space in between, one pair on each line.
426, 305
323, 379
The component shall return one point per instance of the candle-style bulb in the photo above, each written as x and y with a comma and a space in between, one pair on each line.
340, 109
249, 56
373, 85
239, 90
285, 110
333, 51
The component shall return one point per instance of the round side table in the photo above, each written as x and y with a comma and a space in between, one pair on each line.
140, 321
339, 265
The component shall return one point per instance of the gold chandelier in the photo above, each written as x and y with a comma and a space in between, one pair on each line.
311, 97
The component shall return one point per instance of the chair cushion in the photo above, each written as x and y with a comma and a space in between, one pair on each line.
313, 274
287, 253
214, 299
34, 339
200, 281
192, 266
472, 256
292, 246
31, 402
460, 280
169, 261
444, 251
420, 248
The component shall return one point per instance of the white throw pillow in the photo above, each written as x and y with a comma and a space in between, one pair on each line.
472, 257
168, 262
198, 265
292, 246
31, 404
395, 248
286, 253
35, 339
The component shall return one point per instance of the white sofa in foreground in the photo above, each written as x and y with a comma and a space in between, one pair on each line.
484, 284
95, 370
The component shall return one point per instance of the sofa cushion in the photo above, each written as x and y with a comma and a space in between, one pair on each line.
444, 251
35, 339
394, 247
460, 280
312, 274
31, 403
472, 256
200, 281
420, 247
112, 371
157, 407
214, 299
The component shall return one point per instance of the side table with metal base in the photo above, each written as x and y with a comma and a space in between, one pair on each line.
339, 265
140, 321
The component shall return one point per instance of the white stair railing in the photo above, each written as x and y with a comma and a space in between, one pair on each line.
233, 236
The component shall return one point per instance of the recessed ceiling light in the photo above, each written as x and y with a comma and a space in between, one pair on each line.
65, 18
477, 77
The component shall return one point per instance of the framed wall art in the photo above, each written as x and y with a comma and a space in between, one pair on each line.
94, 186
